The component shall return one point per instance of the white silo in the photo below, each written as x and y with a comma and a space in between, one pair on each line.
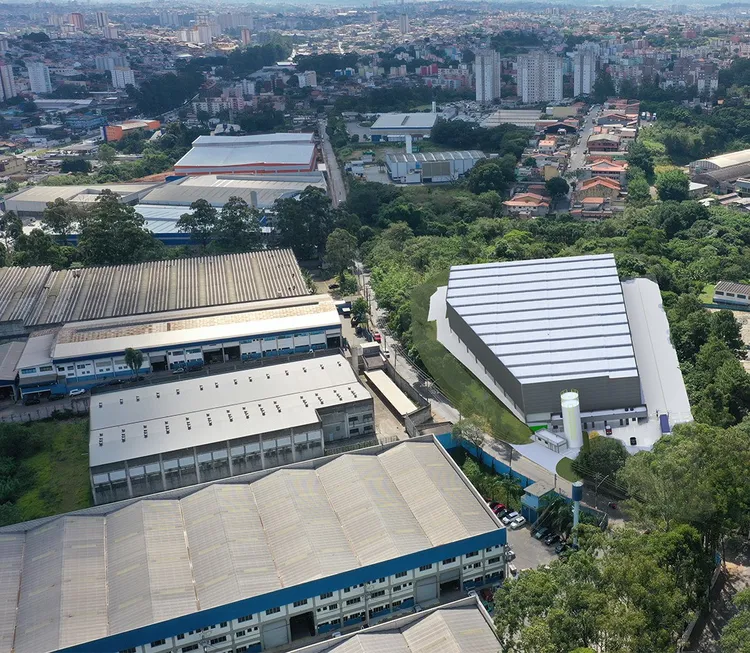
571, 414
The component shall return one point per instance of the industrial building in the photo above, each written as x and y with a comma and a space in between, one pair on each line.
248, 565
409, 124
30, 201
431, 167
38, 297
249, 155
720, 173
463, 626
161, 437
531, 330
734, 295
117, 131
86, 354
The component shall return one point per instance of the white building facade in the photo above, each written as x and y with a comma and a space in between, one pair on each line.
540, 77
39, 80
487, 73
584, 72
121, 77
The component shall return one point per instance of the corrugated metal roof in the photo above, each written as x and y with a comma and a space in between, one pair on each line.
38, 296
729, 286
90, 575
204, 410
10, 354
437, 156
548, 319
421, 121
229, 151
450, 629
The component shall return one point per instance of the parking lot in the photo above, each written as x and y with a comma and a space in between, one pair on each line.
530, 553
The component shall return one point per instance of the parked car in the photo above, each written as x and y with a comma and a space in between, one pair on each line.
518, 522
509, 517
608, 430
498, 508
30, 400
512, 570
541, 533
503, 513
333, 286
77, 392
56, 395
561, 548
551, 539
377, 337
510, 554
179, 370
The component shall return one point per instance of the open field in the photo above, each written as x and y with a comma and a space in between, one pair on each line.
466, 393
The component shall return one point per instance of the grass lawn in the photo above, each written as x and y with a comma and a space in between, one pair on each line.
463, 389
58, 474
707, 296
565, 469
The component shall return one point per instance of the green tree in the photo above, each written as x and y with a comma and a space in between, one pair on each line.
639, 156
106, 153
37, 248
303, 223
113, 233
341, 248
11, 187
360, 310
470, 431
11, 227
735, 637
134, 360
604, 87
60, 217
237, 227
673, 185
200, 223
557, 187
639, 192
605, 456
75, 165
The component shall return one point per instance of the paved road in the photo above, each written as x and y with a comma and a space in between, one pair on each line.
577, 154
336, 181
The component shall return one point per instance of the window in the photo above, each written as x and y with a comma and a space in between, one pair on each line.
396, 588
299, 604
425, 568
494, 560
375, 595
241, 649
218, 640
244, 619
448, 561
472, 554
357, 599
181, 636
190, 647
273, 611
240, 633
327, 595
129, 650
81, 366
29, 370
333, 606
158, 642
223, 624
347, 590
401, 574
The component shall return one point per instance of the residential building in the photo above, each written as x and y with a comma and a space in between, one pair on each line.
12, 165
110, 61
117, 131
584, 72
39, 80
603, 143
607, 168
540, 77
122, 77
487, 76
403, 23
272, 557
7, 82
76, 19
527, 205
308, 78
598, 187
102, 19
110, 32
246, 36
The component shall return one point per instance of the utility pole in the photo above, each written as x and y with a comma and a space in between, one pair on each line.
596, 492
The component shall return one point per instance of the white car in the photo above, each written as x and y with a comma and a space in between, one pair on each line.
509, 518
517, 523
76, 392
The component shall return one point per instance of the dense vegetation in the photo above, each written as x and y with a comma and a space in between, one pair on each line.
43, 469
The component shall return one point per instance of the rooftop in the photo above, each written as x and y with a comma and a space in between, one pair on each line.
723, 160
217, 189
233, 151
154, 331
81, 577
459, 627
80, 193
548, 319
437, 156
730, 286
204, 410
39, 296
405, 121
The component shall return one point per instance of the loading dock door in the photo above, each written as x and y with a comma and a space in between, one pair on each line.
275, 634
426, 590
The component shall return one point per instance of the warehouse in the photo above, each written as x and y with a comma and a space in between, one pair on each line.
270, 558
86, 354
431, 167
463, 626
249, 155
30, 202
734, 295
411, 124
540, 327
720, 162
162, 437
39, 297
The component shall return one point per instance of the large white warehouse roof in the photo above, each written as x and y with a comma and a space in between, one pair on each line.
548, 319
83, 577
193, 412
